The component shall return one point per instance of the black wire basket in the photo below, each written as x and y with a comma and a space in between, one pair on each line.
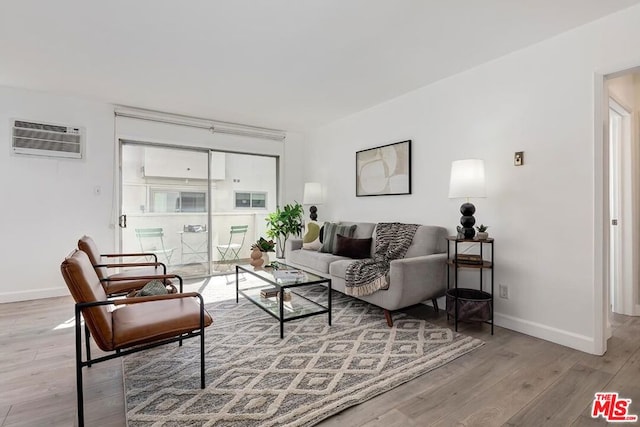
473, 305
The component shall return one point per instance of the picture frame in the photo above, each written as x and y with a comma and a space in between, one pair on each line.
384, 170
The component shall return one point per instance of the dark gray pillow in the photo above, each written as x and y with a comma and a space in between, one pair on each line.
353, 248
331, 230
154, 287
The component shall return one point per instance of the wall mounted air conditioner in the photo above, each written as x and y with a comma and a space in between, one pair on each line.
46, 139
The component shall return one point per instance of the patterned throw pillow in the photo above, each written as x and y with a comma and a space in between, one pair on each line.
331, 230
311, 239
154, 287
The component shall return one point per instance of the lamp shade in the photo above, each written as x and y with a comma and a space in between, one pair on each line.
467, 179
312, 193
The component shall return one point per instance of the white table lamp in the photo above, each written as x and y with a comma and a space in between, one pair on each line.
466, 181
312, 196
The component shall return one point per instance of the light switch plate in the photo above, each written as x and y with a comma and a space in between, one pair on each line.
518, 158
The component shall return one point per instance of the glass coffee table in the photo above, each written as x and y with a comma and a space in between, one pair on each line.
262, 285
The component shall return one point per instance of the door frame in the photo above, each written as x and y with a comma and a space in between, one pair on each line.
601, 326
601, 236
118, 191
625, 293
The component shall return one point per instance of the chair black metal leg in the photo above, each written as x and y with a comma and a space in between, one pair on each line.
181, 290
435, 305
79, 370
87, 335
201, 343
202, 358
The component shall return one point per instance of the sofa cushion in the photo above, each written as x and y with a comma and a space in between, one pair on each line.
339, 268
311, 239
331, 230
317, 261
353, 248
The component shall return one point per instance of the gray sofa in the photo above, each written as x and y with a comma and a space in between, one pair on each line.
419, 276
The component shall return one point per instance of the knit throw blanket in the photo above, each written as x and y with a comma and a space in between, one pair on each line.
366, 276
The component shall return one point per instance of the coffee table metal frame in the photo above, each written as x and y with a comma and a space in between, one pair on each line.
267, 306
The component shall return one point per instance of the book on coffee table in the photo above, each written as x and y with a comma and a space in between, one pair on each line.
269, 292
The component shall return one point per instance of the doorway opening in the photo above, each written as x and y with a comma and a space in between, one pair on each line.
617, 196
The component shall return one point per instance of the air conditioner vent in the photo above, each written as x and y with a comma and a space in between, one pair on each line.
44, 139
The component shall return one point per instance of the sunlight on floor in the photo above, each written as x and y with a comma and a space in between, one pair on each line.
66, 324
214, 288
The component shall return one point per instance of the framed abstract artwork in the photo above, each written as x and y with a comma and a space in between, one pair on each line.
385, 170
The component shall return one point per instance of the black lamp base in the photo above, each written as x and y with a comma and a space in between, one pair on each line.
467, 220
313, 213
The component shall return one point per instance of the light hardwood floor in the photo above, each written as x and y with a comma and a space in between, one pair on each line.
513, 380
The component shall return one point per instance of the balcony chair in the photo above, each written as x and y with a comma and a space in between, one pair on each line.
231, 251
136, 275
152, 240
137, 324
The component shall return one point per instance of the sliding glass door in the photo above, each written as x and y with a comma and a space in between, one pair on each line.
198, 210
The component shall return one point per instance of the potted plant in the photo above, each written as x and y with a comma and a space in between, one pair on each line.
260, 252
283, 223
482, 232
264, 245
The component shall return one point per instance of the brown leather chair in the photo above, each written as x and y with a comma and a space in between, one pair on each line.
125, 281
138, 323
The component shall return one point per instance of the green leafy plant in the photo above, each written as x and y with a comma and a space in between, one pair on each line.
283, 223
482, 228
264, 245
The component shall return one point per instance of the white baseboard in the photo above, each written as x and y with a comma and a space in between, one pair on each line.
33, 294
558, 336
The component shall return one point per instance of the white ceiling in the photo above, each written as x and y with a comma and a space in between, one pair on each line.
288, 64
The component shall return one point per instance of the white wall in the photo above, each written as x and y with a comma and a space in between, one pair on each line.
539, 100
47, 204
295, 165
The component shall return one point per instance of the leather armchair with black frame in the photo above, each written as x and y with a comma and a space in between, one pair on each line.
137, 324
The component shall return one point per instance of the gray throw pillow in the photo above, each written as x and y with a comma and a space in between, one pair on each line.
331, 230
154, 287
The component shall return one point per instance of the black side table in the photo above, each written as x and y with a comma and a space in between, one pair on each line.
467, 304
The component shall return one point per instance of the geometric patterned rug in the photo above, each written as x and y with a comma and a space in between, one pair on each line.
254, 378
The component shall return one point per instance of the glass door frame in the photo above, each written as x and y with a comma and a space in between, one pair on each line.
205, 150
